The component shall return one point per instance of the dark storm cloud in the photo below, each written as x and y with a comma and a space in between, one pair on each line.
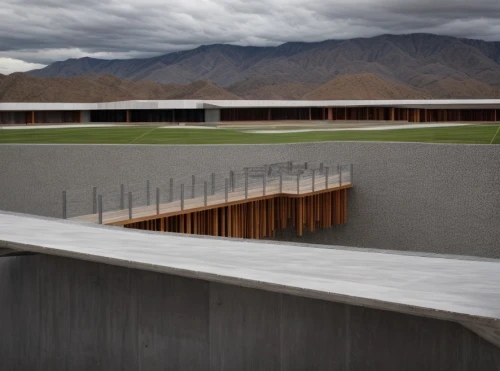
43, 31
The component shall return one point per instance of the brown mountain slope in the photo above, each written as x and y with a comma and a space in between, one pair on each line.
272, 87
20, 87
449, 88
287, 91
363, 86
200, 90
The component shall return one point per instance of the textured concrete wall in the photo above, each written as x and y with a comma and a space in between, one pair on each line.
35, 176
414, 197
65, 314
420, 197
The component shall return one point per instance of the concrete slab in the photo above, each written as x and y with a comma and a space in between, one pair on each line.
465, 291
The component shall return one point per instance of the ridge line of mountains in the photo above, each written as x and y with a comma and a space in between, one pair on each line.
415, 66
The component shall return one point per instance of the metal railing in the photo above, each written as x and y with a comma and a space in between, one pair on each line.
128, 201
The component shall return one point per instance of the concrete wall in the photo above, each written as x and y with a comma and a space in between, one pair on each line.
65, 314
85, 116
421, 197
212, 115
413, 197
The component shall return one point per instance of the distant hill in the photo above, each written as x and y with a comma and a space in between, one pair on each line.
274, 88
20, 87
364, 86
449, 88
417, 60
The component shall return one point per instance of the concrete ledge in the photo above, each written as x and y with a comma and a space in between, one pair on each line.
465, 291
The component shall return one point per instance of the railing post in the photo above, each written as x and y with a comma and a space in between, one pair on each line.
290, 166
226, 189
305, 165
64, 214
327, 170
205, 193
171, 191
94, 200
213, 184
231, 180
193, 185
246, 183
148, 194
130, 205
281, 180
313, 180
122, 196
182, 196
298, 183
100, 208
157, 201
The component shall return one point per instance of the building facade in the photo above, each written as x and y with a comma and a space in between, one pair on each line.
174, 111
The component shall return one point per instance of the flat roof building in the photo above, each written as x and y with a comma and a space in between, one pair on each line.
251, 110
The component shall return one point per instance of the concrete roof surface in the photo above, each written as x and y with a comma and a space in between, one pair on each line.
438, 287
200, 104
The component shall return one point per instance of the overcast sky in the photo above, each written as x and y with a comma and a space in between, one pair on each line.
34, 33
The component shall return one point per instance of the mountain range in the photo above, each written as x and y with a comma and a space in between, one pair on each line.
382, 67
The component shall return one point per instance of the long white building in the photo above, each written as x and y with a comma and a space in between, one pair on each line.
250, 110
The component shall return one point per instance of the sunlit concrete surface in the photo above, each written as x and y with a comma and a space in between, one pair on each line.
445, 288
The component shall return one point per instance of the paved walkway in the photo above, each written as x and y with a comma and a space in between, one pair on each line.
364, 128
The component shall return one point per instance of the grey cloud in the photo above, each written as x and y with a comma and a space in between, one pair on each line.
43, 31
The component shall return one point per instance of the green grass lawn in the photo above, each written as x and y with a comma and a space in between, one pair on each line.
480, 134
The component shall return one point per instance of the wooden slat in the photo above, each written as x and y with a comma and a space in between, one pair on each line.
215, 223
300, 213
223, 222
229, 221
318, 205
257, 218
283, 212
181, 228
251, 220
344, 192
337, 208
188, 223
264, 218
237, 222
310, 216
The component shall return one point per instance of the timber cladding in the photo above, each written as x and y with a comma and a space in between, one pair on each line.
258, 218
